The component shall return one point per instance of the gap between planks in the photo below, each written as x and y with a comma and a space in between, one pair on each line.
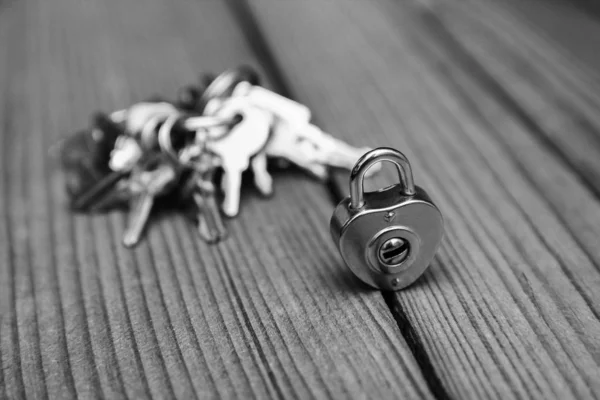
258, 43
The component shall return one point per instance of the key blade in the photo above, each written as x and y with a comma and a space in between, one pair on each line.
119, 197
139, 216
332, 151
162, 179
201, 189
97, 191
314, 150
155, 177
210, 223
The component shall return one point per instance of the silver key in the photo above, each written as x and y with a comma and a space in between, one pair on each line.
310, 148
245, 140
202, 191
296, 139
153, 178
210, 223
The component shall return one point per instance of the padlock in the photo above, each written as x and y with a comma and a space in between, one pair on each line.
387, 237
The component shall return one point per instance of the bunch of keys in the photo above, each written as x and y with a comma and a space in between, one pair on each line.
171, 153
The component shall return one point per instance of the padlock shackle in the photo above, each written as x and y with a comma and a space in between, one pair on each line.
357, 175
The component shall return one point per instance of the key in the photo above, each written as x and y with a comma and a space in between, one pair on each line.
282, 107
112, 191
245, 140
310, 148
120, 154
97, 191
155, 177
141, 114
104, 134
142, 121
92, 145
210, 224
203, 192
295, 139
85, 157
117, 197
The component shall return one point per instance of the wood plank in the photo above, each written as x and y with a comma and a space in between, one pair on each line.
561, 200
508, 308
550, 88
572, 28
269, 313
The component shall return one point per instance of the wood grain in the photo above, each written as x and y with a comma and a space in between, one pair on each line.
546, 84
270, 313
509, 307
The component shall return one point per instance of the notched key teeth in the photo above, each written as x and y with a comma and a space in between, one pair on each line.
206, 236
139, 215
211, 226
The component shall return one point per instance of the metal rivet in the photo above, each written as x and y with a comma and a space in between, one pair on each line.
389, 217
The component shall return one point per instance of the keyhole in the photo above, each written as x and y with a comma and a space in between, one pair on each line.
394, 251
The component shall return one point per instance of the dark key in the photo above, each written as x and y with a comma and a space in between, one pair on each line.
99, 189
84, 157
91, 146
116, 198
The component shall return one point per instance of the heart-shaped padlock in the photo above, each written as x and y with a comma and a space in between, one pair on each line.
387, 237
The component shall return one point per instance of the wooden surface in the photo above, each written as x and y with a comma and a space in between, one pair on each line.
497, 112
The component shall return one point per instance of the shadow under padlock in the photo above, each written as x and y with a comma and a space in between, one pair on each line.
387, 237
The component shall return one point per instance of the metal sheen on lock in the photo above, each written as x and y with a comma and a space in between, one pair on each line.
387, 237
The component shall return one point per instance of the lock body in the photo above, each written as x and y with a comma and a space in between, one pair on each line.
390, 240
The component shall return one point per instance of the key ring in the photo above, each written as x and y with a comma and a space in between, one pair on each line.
223, 85
197, 124
190, 152
206, 122
164, 136
148, 132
